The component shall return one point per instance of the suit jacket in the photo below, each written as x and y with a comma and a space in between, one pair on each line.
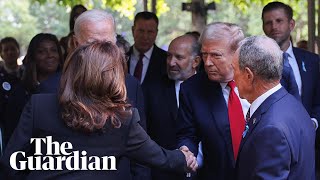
161, 113
134, 92
310, 76
41, 118
135, 96
203, 115
279, 143
157, 66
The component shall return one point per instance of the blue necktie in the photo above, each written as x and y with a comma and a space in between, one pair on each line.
288, 80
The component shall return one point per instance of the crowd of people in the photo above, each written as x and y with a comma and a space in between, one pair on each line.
216, 105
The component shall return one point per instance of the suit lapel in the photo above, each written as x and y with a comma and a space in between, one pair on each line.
256, 117
219, 114
129, 54
170, 93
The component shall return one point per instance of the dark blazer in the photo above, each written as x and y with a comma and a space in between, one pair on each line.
310, 75
157, 66
134, 92
279, 143
203, 116
161, 112
41, 118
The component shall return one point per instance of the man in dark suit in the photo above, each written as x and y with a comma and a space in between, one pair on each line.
161, 109
278, 23
147, 62
95, 25
207, 100
277, 144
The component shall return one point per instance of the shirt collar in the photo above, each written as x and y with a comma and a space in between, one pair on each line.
146, 54
290, 51
256, 103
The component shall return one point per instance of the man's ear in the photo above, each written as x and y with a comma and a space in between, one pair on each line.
292, 24
196, 62
132, 29
249, 75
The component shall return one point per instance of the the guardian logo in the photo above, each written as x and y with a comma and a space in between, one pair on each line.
58, 157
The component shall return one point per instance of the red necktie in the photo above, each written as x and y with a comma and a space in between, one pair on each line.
139, 66
236, 119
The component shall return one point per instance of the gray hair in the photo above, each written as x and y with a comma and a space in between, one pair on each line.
93, 16
222, 30
263, 56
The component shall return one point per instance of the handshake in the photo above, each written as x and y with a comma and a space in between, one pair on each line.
191, 160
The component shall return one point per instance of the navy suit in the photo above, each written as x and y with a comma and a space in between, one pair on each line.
161, 112
279, 143
41, 117
310, 76
135, 96
309, 67
157, 66
134, 92
203, 115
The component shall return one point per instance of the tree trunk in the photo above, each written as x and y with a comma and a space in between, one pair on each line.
145, 5
311, 25
154, 6
199, 15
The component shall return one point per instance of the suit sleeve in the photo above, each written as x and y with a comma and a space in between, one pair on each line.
19, 141
144, 150
186, 127
140, 107
271, 154
316, 103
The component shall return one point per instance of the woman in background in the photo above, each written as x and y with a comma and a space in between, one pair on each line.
43, 59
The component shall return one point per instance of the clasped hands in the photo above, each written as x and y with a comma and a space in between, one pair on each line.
191, 160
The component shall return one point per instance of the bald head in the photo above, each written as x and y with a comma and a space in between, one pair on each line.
95, 25
183, 57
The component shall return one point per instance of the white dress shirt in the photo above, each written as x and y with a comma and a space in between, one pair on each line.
226, 91
294, 65
146, 60
256, 103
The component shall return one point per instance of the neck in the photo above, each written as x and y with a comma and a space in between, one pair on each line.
284, 46
12, 66
261, 87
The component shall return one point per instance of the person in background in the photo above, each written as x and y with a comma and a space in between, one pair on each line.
163, 102
147, 61
278, 23
10, 71
91, 112
303, 44
278, 142
43, 59
67, 41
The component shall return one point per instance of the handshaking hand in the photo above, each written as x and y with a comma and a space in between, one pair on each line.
191, 160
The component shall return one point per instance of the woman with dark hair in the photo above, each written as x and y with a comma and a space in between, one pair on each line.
91, 113
43, 59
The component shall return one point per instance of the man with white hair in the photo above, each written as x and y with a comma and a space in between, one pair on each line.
99, 25
279, 139
210, 110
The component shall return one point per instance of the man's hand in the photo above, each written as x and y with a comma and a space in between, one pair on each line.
191, 160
